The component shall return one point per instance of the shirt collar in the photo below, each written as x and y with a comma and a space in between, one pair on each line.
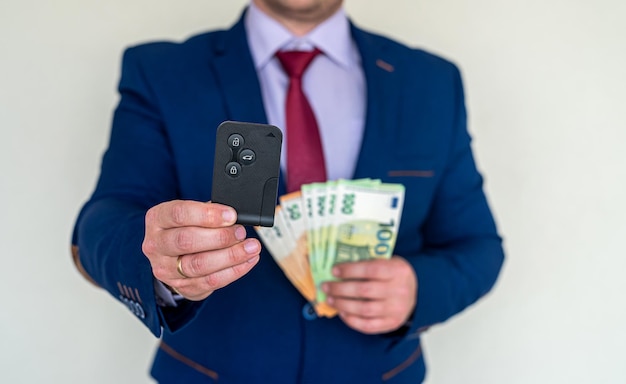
266, 36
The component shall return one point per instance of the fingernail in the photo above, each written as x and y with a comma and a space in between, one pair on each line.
325, 287
251, 246
240, 233
330, 300
336, 272
254, 260
229, 215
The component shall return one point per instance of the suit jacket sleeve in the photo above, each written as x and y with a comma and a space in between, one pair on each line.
137, 173
462, 253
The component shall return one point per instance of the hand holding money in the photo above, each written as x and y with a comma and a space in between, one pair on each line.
374, 296
327, 224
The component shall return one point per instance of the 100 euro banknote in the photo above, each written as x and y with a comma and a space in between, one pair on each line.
364, 226
329, 223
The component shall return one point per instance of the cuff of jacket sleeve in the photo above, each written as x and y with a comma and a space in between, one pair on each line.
165, 297
176, 318
433, 292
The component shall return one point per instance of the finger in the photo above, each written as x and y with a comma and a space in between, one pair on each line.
191, 240
208, 263
370, 326
364, 270
201, 287
368, 309
182, 213
357, 289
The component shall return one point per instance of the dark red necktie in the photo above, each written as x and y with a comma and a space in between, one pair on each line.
305, 156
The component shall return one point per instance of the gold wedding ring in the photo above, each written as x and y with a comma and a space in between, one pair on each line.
179, 267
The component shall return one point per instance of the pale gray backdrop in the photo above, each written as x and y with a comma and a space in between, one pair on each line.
545, 90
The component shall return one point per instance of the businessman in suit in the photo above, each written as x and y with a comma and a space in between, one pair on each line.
150, 236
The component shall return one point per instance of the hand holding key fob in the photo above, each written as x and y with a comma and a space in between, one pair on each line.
246, 170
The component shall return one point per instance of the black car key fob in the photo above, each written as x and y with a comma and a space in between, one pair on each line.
246, 170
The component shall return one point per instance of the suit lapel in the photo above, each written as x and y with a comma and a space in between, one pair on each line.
382, 100
238, 80
237, 76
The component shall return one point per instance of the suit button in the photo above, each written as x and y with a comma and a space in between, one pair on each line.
308, 312
134, 307
139, 311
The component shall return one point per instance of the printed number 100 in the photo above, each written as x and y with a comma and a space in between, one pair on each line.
384, 235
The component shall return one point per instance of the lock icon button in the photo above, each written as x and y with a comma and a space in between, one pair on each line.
233, 169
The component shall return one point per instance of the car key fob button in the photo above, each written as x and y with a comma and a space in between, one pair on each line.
233, 169
247, 157
235, 141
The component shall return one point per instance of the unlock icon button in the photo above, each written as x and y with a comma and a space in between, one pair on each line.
235, 141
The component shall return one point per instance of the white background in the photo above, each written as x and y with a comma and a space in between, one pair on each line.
545, 90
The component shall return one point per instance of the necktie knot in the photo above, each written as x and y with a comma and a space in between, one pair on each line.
296, 62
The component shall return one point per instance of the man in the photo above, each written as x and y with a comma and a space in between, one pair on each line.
223, 307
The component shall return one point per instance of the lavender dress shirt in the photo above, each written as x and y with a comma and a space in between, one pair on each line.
334, 84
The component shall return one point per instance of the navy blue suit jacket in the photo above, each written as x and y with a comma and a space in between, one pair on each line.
259, 329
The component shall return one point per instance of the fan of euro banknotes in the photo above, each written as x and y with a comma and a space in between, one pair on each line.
324, 224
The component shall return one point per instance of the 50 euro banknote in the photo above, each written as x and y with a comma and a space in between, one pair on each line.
287, 242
